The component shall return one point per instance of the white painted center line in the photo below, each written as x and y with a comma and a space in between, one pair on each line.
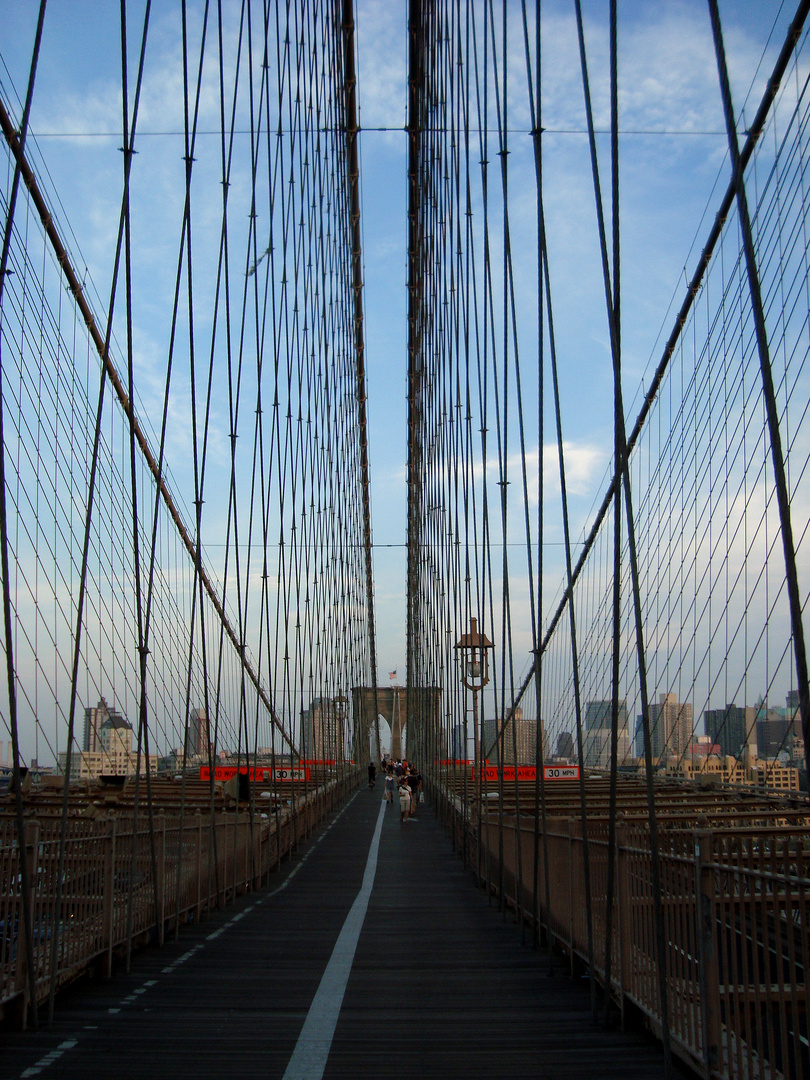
44, 1062
309, 1058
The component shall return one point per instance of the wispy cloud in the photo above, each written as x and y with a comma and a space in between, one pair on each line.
382, 52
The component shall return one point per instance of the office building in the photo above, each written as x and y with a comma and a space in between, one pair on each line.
670, 727
732, 728
565, 745
197, 743
597, 734
518, 742
323, 734
94, 720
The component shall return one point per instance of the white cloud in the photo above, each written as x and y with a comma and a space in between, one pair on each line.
381, 47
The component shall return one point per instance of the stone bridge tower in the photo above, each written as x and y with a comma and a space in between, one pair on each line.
416, 710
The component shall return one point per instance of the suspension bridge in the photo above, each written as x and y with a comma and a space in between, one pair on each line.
596, 356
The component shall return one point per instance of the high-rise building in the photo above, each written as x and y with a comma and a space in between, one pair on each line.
94, 720
638, 738
596, 737
565, 745
519, 741
777, 728
115, 738
198, 737
323, 734
670, 727
458, 750
731, 728
489, 739
114, 754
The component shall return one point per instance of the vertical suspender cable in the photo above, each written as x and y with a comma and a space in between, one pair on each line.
350, 90
692, 291
540, 813
143, 727
769, 393
617, 506
416, 83
622, 464
11, 676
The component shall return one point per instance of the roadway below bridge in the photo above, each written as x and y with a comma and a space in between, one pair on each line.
371, 952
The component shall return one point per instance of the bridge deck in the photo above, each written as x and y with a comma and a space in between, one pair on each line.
440, 985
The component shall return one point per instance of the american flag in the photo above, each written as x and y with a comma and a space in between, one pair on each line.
392, 674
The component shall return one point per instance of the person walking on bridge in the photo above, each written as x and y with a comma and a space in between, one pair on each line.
372, 775
414, 782
390, 784
404, 800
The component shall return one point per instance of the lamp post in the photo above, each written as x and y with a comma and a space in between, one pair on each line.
474, 649
339, 704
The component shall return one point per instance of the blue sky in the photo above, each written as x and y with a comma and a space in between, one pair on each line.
673, 172
674, 168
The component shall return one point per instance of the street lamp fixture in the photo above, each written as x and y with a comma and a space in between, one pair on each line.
474, 654
339, 704
474, 649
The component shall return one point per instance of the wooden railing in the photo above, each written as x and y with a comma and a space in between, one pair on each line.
735, 907
122, 889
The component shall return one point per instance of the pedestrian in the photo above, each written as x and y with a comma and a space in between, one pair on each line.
372, 775
390, 784
404, 801
414, 782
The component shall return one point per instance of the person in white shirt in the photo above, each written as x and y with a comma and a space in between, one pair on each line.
404, 801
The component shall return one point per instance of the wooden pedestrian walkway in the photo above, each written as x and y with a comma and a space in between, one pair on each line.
439, 984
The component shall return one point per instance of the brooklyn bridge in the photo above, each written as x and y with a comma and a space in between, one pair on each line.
424, 381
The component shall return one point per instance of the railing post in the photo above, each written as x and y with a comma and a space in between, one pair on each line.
625, 920
160, 885
29, 852
108, 898
221, 863
248, 871
709, 969
258, 830
217, 863
198, 865
571, 896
